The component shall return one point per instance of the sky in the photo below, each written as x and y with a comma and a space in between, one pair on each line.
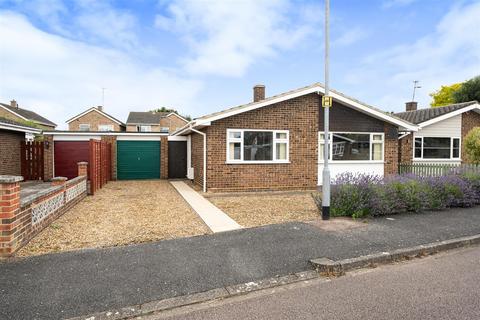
202, 56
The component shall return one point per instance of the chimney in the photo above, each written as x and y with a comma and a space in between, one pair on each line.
258, 92
14, 104
411, 106
100, 108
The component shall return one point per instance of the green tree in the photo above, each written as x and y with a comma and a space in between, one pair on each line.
164, 109
469, 91
445, 95
472, 145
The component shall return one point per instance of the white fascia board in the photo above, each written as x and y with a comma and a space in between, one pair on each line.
13, 127
94, 109
354, 104
14, 113
106, 133
449, 115
177, 138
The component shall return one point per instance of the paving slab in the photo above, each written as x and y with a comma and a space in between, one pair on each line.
214, 218
64, 285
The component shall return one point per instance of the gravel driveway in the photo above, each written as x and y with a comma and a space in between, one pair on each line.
122, 212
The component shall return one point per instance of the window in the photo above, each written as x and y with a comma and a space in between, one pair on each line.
436, 148
257, 146
164, 129
84, 127
144, 128
105, 127
347, 146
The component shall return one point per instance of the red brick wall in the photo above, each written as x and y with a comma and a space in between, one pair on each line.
391, 150
299, 116
164, 158
95, 119
470, 120
48, 157
197, 158
405, 149
10, 152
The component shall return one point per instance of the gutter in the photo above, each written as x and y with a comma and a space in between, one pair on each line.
204, 157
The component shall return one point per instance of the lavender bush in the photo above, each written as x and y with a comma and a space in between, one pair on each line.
360, 195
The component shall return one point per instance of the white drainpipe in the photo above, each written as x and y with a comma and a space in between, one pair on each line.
204, 157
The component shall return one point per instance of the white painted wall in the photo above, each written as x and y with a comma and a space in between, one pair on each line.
376, 168
451, 127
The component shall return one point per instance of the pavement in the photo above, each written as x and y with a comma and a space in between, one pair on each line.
441, 287
82, 282
213, 217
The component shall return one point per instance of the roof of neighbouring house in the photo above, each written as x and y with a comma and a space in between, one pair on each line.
28, 115
11, 125
95, 109
423, 115
148, 117
316, 87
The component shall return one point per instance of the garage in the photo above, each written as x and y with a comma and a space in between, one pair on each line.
67, 154
138, 159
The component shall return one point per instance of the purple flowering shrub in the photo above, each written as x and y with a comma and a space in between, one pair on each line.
359, 195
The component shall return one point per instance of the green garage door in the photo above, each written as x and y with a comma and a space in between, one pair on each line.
138, 160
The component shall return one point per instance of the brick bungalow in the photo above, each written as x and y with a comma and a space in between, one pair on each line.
440, 135
95, 119
11, 134
277, 142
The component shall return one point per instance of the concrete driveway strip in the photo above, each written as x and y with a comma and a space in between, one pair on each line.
214, 218
440, 287
76, 283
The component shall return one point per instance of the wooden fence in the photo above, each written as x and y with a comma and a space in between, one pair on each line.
434, 169
100, 170
31, 161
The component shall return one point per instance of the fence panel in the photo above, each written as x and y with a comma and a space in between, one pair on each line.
31, 161
435, 169
99, 164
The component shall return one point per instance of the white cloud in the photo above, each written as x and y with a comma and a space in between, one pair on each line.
449, 54
59, 78
397, 3
350, 37
226, 37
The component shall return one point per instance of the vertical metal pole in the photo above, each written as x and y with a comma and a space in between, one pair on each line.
326, 169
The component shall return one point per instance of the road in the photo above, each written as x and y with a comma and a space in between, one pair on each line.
445, 286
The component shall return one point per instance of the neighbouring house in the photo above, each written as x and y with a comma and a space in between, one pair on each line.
11, 134
152, 121
440, 135
95, 119
13, 112
277, 142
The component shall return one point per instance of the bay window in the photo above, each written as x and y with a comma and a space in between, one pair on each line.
257, 146
347, 146
436, 148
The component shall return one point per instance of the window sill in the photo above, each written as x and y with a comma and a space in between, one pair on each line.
354, 162
257, 162
436, 160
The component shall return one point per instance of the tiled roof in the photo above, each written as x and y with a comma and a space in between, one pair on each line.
422, 115
30, 115
148, 117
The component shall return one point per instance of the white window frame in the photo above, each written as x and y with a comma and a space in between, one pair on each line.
105, 127
164, 129
274, 142
139, 128
438, 159
84, 125
330, 146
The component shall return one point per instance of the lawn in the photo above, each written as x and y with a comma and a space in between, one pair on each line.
122, 212
251, 210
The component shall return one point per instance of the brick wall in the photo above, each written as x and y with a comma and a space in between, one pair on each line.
405, 149
8, 115
391, 150
470, 120
113, 144
164, 158
172, 122
299, 116
133, 127
16, 215
197, 158
10, 152
48, 157
94, 119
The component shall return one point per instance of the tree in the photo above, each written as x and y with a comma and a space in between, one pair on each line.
164, 109
469, 91
444, 96
472, 145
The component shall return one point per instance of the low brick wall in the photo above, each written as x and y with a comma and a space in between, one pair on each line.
22, 219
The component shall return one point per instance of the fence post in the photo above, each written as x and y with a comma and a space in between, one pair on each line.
9, 209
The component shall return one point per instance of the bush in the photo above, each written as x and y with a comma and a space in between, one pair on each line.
360, 195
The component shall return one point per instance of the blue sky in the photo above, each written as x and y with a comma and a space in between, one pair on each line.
201, 56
